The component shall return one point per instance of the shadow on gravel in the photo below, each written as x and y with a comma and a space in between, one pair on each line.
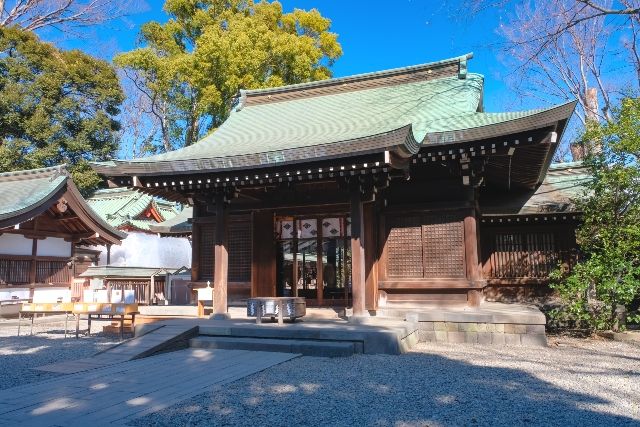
409, 390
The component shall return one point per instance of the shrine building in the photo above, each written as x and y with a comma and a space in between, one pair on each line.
381, 192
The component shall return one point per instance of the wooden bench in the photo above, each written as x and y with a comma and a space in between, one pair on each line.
280, 307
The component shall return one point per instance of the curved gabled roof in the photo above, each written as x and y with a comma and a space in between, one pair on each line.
123, 207
398, 110
27, 194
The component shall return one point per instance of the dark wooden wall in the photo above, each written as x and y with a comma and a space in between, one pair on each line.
263, 277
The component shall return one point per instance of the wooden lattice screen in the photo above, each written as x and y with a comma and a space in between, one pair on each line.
14, 271
521, 253
240, 251
239, 244
206, 239
425, 246
404, 245
443, 243
56, 272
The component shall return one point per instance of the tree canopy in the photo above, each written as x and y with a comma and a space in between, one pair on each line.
192, 67
55, 107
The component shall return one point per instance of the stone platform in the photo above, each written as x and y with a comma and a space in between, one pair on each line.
491, 323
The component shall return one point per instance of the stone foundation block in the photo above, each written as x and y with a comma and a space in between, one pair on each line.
456, 337
534, 340
484, 338
509, 328
521, 329
468, 327
427, 336
497, 338
482, 327
439, 326
452, 327
441, 336
512, 339
471, 337
426, 326
536, 329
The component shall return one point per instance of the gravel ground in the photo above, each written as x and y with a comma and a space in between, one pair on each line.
571, 383
18, 354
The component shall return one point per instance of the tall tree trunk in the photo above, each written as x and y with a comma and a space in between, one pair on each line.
580, 150
164, 127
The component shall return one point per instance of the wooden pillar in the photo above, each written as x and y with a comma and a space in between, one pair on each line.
108, 253
474, 296
358, 278
195, 251
319, 266
221, 258
34, 261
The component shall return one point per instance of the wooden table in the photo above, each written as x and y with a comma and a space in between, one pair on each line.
79, 308
105, 309
32, 309
294, 307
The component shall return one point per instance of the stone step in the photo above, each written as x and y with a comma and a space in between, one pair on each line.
387, 337
304, 347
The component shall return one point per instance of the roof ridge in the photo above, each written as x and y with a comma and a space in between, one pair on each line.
57, 170
244, 93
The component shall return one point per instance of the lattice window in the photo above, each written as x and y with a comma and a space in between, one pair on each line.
206, 252
443, 240
240, 251
14, 271
56, 272
404, 248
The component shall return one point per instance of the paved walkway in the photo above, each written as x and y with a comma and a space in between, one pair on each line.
113, 395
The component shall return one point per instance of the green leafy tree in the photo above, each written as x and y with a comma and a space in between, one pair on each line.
192, 67
608, 278
55, 107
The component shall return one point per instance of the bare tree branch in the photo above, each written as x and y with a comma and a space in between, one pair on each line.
33, 15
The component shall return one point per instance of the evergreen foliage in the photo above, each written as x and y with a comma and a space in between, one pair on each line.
608, 277
55, 107
192, 67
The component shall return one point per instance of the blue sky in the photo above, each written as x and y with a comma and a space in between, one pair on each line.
375, 35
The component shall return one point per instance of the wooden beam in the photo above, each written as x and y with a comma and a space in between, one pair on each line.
221, 258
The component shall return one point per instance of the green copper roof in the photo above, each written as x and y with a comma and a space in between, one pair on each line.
127, 272
24, 191
337, 117
563, 183
27, 194
123, 207
400, 109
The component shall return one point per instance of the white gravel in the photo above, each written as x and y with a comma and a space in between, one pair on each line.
571, 383
18, 354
